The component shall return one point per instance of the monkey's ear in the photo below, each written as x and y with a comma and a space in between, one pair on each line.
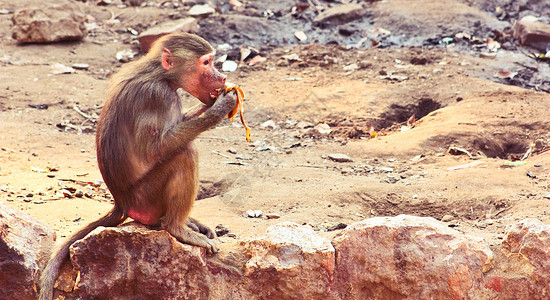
167, 62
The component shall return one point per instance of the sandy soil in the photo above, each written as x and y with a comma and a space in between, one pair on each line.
286, 169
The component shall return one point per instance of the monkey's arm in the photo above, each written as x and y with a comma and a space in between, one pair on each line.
182, 133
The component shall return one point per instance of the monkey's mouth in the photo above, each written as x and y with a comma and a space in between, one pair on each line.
215, 93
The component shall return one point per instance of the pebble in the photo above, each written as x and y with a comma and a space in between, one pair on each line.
229, 66
386, 169
254, 213
339, 157
221, 230
270, 124
447, 218
232, 150
80, 66
272, 216
338, 226
323, 129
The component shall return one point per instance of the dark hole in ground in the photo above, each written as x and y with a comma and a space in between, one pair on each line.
358, 128
401, 113
504, 146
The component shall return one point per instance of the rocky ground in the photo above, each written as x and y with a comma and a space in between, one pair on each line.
430, 117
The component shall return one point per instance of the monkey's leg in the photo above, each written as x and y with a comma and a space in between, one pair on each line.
180, 193
201, 228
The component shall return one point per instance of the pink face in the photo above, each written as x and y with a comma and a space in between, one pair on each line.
207, 81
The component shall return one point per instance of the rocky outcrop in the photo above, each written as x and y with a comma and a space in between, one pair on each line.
49, 23
290, 262
407, 257
24, 250
401, 257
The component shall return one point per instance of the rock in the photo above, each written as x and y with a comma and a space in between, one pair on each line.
340, 14
221, 230
49, 23
526, 246
323, 129
532, 33
80, 66
272, 216
149, 264
25, 246
407, 257
290, 262
229, 66
201, 10
147, 37
58, 69
270, 124
447, 218
254, 213
339, 157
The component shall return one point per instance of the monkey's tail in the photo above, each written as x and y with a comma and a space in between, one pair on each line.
49, 274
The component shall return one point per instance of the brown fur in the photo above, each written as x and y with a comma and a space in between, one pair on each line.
144, 145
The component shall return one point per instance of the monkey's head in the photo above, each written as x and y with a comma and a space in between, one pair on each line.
187, 60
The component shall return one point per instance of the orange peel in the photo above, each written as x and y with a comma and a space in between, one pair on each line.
239, 107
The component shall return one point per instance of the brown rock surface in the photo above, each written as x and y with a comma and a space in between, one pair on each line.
340, 14
135, 262
407, 257
290, 262
49, 23
147, 37
526, 246
532, 33
25, 245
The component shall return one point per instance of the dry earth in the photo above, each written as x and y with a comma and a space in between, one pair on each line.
285, 171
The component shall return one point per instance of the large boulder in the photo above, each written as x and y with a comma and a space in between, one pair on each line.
25, 246
527, 273
132, 261
408, 257
60, 21
290, 262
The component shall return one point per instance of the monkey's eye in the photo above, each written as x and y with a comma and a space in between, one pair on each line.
206, 62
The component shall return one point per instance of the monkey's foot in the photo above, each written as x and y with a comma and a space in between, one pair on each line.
186, 235
200, 228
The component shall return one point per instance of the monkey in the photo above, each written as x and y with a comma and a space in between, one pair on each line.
144, 142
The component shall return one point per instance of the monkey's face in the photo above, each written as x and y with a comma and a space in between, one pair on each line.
205, 81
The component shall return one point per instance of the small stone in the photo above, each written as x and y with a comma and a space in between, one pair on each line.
447, 218
89, 192
386, 169
79, 194
272, 216
201, 10
254, 213
229, 66
221, 230
232, 150
58, 69
269, 124
323, 129
80, 66
338, 226
339, 157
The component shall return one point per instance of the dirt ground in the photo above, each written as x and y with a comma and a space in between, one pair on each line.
286, 170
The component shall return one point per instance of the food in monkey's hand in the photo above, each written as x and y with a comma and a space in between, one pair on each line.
240, 96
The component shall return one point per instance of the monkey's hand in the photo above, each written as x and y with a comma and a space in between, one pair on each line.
225, 103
